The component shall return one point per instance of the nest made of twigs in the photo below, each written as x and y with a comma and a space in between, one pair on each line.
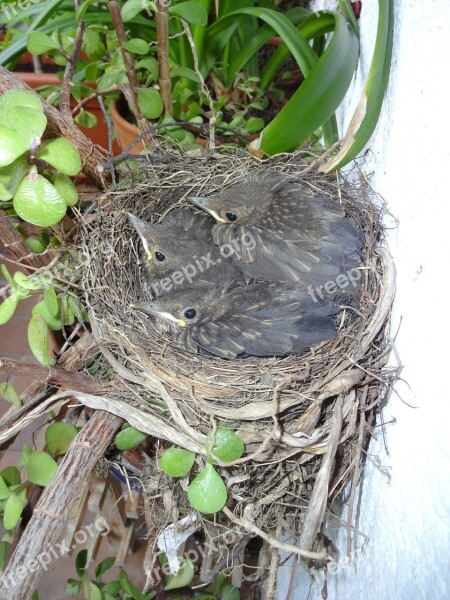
292, 412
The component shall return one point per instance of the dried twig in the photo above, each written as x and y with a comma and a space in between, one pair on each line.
64, 99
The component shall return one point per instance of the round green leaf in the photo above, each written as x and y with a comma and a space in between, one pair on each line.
36, 244
11, 176
59, 436
40, 43
8, 393
12, 145
24, 98
7, 308
131, 8
207, 492
91, 591
30, 123
177, 462
67, 189
11, 476
72, 587
192, 12
137, 46
86, 119
230, 592
38, 202
254, 124
150, 102
184, 576
38, 339
228, 446
41, 468
61, 155
13, 510
129, 438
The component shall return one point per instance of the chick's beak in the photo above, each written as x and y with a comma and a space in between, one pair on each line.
155, 310
207, 205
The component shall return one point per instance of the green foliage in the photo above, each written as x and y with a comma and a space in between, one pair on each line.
59, 436
129, 438
41, 468
97, 589
35, 197
177, 462
227, 445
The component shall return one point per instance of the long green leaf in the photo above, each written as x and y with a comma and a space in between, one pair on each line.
368, 110
317, 98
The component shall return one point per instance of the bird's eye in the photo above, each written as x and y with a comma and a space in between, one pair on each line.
190, 313
231, 216
160, 256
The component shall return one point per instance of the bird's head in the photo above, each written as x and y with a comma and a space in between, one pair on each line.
181, 309
165, 249
242, 203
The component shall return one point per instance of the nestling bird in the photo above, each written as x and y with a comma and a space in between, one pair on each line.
257, 319
299, 236
180, 252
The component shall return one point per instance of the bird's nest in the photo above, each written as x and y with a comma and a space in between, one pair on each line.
304, 419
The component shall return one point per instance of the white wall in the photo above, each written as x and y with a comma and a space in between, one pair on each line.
407, 519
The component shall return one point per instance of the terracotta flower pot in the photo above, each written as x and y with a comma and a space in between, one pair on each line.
126, 131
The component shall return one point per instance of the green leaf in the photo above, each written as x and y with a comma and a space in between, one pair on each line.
150, 102
104, 566
59, 436
66, 188
114, 76
131, 8
150, 64
254, 124
68, 316
5, 547
81, 563
8, 393
91, 40
24, 98
177, 462
5, 492
61, 155
41, 468
30, 123
207, 492
367, 112
11, 176
7, 308
112, 589
73, 587
184, 576
38, 340
13, 511
36, 244
12, 145
26, 453
91, 72
136, 46
91, 591
86, 119
129, 438
52, 322
7, 275
318, 96
227, 445
40, 43
11, 476
51, 301
192, 12
38, 202
184, 72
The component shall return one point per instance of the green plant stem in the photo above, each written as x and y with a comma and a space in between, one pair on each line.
162, 36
